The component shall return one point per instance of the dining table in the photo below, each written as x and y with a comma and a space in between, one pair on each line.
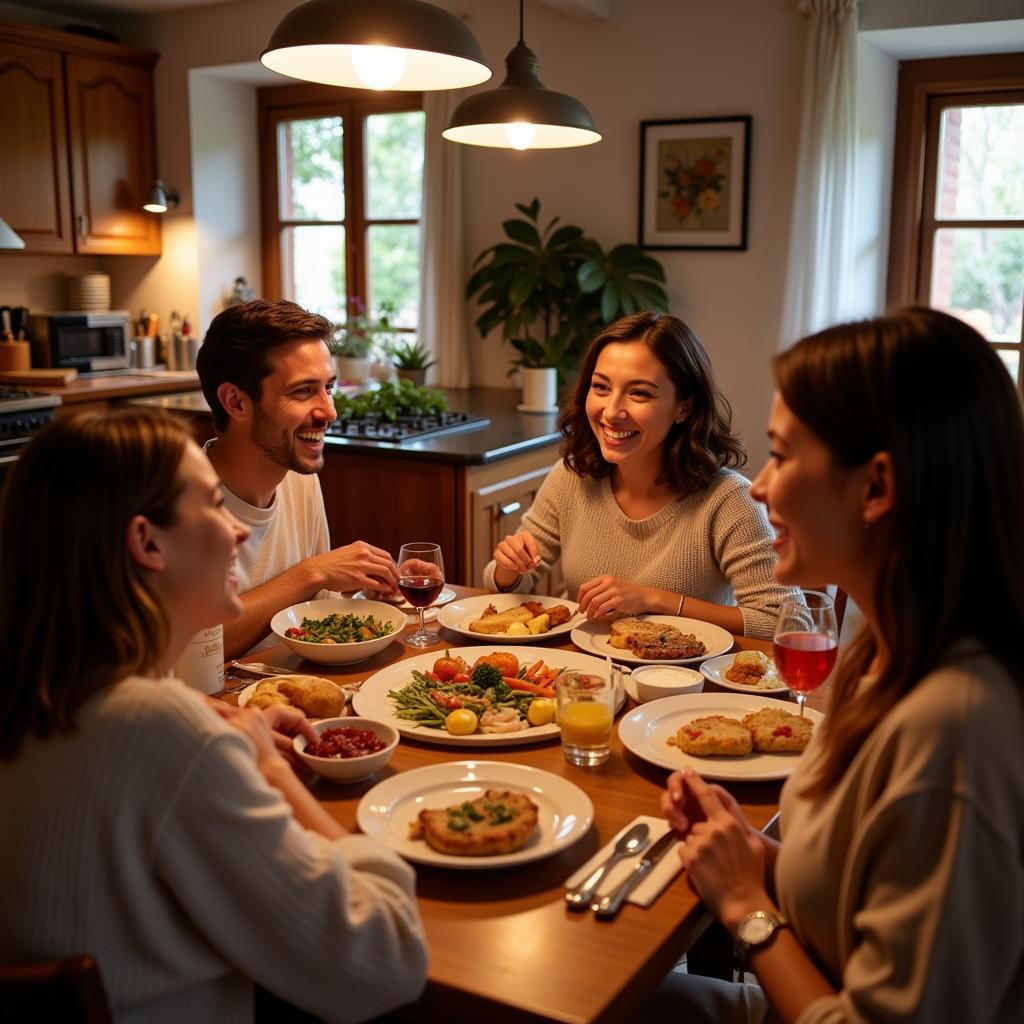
503, 945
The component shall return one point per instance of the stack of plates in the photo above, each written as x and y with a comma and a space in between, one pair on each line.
89, 293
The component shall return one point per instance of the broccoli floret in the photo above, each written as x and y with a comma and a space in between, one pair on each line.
486, 675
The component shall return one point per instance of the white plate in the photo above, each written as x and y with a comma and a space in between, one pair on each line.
565, 812
593, 637
714, 670
400, 602
243, 697
459, 615
646, 730
372, 700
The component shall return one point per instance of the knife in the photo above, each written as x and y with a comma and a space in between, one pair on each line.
609, 905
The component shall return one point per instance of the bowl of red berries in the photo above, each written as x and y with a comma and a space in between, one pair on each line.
348, 749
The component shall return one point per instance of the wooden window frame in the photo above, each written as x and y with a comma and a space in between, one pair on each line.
926, 88
293, 102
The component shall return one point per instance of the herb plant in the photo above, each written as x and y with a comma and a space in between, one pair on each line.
390, 401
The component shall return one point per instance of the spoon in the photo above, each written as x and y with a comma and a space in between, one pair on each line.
629, 843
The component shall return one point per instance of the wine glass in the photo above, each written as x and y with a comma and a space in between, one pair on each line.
806, 642
421, 579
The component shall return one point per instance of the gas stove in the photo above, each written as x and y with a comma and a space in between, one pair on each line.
405, 428
22, 413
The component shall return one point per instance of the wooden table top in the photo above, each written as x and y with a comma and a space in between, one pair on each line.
503, 946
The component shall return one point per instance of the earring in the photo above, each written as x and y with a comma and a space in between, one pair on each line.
867, 523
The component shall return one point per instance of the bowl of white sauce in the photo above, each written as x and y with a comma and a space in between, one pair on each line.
654, 681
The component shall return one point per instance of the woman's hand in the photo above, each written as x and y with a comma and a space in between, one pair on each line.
606, 594
517, 554
722, 854
681, 808
284, 723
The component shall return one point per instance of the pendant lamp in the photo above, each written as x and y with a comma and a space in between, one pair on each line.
9, 238
376, 44
521, 113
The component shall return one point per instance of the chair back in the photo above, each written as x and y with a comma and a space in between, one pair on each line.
69, 990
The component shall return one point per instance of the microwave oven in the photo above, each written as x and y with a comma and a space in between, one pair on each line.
90, 342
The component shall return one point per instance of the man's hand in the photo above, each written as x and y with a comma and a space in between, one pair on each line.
358, 566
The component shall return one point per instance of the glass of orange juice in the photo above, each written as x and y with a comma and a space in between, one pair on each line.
586, 707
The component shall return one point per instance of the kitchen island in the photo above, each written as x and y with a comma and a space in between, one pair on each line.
463, 490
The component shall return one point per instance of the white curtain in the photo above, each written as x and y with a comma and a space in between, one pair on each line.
819, 277
442, 306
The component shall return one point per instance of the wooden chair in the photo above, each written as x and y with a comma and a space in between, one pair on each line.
68, 990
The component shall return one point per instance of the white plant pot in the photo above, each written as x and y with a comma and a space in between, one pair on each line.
540, 389
353, 370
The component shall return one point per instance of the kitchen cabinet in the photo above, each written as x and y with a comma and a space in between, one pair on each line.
76, 120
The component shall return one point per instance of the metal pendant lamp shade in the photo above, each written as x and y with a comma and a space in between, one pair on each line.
521, 113
405, 45
9, 238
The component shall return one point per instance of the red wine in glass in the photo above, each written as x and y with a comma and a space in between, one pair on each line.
421, 579
420, 591
806, 642
804, 660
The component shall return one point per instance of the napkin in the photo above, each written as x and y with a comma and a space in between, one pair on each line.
650, 888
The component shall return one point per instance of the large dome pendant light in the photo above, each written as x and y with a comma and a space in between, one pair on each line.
521, 113
406, 45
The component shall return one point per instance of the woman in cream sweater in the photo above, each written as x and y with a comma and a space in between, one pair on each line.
897, 893
168, 839
646, 510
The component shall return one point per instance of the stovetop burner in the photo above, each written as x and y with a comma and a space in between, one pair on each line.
19, 400
405, 428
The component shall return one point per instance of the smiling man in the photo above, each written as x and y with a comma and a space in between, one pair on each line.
266, 371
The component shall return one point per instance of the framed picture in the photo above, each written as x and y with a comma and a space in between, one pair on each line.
694, 183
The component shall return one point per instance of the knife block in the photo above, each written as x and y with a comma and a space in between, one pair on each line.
15, 355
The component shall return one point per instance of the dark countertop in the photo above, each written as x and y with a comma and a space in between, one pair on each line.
510, 432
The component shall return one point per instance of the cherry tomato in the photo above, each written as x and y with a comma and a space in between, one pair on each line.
448, 667
461, 723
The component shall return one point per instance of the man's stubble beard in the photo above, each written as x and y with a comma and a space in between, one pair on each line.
278, 446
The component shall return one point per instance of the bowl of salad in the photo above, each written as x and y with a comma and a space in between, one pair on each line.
338, 631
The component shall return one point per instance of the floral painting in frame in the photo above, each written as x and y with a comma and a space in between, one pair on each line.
694, 183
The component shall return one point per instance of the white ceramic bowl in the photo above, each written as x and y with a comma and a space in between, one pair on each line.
349, 769
337, 654
654, 681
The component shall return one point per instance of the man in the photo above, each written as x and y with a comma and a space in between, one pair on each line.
267, 375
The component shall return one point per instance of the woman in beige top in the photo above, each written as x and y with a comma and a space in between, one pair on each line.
646, 510
897, 893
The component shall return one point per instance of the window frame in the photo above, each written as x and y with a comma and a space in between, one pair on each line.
926, 88
277, 104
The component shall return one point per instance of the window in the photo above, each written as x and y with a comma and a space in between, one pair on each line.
342, 184
958, 219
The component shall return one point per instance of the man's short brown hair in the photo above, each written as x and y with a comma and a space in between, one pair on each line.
238, 343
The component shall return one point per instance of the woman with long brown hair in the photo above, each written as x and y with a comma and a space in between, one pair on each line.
897, 892
646, 508
171, 842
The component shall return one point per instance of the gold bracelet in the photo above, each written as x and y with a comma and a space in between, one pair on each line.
682, 601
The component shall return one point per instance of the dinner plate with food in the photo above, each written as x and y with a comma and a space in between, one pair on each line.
512, 618
315, 696
474, 815
474, 696
745, 672
642, 639
730, 736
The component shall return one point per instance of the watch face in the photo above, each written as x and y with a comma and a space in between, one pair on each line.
756, 928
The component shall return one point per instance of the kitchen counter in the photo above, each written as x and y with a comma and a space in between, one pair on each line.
109, 387
509, 433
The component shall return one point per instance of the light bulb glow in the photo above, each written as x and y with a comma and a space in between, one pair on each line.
520, 134
378, 67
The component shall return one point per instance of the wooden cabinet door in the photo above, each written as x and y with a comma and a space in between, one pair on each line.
110, 118
34, 195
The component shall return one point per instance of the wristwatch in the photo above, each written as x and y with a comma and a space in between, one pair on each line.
756, 931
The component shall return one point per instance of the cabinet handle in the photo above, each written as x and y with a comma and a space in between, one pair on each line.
83, 225
512, 506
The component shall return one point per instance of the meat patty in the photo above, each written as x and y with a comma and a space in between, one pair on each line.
500, 821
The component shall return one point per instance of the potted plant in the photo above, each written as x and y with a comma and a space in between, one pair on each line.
410, 359
353, 340
552, 289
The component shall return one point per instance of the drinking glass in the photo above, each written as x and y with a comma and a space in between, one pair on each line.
806, 642
586, 707
421, 579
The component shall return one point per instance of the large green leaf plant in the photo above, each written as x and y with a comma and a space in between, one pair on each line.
552, 289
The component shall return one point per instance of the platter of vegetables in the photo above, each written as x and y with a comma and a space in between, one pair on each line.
473, 696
